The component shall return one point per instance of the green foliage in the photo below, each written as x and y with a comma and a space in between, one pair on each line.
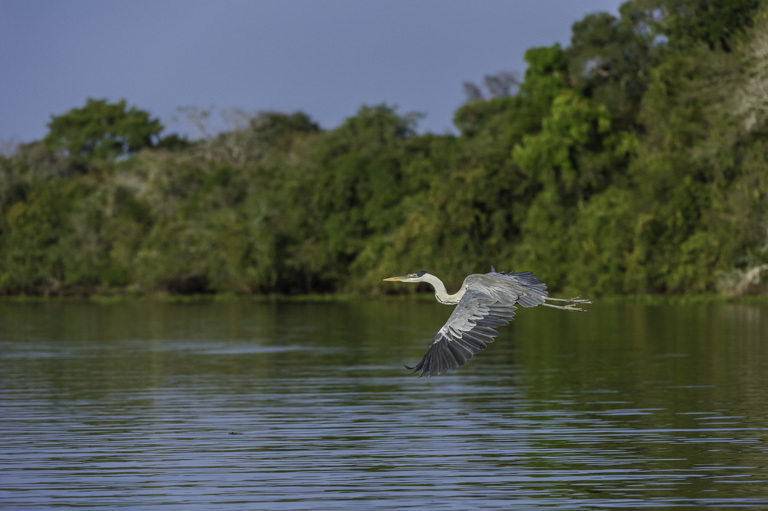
102, 130
608, 61
631, 161
714, 22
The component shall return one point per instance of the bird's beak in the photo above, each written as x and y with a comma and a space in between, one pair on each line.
396, 279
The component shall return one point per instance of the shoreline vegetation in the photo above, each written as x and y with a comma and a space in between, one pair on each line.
100, 299
632, 163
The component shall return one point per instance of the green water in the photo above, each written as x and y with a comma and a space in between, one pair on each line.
240, 405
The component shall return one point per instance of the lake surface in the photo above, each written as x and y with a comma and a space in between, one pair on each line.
241, 405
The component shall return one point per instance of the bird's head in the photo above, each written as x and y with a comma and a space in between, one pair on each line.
411, 277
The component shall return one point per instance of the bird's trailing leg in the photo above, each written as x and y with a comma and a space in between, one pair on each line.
571, 304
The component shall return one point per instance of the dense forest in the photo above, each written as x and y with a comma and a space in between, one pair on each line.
634, 160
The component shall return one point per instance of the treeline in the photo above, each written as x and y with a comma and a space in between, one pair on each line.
632, 161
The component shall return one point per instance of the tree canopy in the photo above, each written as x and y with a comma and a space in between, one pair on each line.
631, 161
102, 130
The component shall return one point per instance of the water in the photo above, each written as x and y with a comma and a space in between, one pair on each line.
241, 405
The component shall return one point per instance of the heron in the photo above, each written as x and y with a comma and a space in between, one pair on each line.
484, 302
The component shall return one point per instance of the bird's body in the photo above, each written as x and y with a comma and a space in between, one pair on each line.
484, 302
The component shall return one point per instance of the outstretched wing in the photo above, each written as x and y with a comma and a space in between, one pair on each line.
468, 330
488, 303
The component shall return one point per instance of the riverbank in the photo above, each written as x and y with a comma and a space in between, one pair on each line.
647, 299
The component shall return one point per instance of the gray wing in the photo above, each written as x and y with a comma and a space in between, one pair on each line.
468, 330
530, 290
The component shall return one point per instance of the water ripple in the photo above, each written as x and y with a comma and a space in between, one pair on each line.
235, 423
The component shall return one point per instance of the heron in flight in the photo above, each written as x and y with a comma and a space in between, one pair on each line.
484, 302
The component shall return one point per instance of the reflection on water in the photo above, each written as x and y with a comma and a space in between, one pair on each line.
306, 406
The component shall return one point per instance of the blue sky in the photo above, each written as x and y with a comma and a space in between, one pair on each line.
323, 57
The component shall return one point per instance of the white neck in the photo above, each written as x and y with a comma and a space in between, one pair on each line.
440, 292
